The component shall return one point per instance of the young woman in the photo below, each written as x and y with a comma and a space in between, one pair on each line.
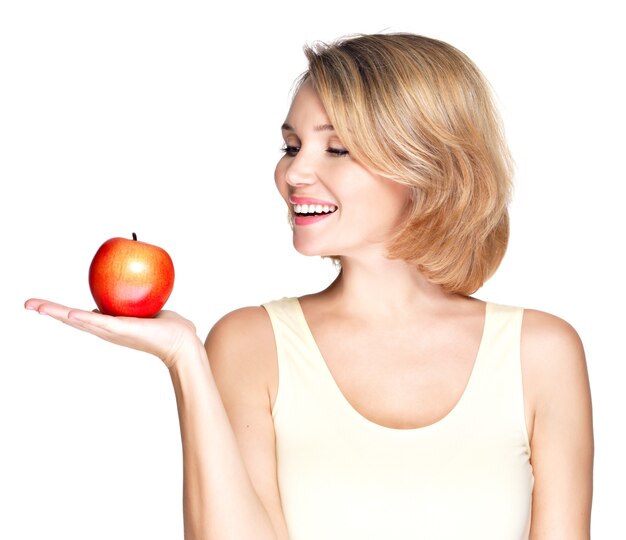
392, 404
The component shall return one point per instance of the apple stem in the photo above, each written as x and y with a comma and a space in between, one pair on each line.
134, 236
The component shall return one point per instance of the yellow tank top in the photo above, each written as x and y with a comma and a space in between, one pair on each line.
343, 477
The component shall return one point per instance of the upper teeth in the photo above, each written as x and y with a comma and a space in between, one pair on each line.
313, 208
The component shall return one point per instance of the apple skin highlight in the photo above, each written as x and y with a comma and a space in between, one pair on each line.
131, 278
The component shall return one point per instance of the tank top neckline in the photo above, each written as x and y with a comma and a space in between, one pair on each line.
352, 411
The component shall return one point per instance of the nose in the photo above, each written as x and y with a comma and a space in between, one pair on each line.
300, 170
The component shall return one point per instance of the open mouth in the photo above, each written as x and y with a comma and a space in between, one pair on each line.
304, 210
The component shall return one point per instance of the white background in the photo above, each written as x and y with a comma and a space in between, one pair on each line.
162, 118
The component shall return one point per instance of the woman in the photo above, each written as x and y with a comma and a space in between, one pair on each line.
392, 404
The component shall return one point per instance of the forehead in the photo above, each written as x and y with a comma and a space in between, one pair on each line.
306, 107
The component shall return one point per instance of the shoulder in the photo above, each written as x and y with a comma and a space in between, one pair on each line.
243, 315
553, 364
549, 341
240, 347
241, 328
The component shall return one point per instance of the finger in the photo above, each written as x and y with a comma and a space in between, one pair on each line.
95, 321
91, 321
34, 303
77, 318
46, 307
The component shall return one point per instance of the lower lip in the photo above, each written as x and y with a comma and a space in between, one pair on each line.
302, 220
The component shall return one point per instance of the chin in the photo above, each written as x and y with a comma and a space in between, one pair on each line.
310, 250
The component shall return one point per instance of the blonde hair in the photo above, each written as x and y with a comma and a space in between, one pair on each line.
418, 111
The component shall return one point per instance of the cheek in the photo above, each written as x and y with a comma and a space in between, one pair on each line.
279, 179
393, 202
397, 193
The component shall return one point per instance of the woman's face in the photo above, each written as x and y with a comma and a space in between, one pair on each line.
317, 166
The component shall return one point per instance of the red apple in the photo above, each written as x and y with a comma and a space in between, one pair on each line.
131, 278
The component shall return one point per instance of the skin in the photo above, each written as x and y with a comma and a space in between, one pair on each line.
376, 301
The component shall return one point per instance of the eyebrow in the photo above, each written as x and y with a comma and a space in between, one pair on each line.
322, 127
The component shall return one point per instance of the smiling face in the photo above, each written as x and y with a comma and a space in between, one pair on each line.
369, 208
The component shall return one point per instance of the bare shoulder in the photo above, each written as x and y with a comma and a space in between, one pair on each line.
241, 328
550, 343
553, 364
241, 350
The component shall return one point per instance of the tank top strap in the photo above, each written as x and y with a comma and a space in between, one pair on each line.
502, 336
298, 363
289, 330
497, 391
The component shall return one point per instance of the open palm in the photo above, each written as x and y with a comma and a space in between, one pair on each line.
164, 336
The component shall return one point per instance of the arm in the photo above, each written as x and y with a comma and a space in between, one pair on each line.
555, 373
242, 355
230, 487
219, 501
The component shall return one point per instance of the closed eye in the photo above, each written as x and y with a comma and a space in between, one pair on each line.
293, 150
339, 152
290, 150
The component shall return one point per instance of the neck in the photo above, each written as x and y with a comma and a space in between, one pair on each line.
378, 288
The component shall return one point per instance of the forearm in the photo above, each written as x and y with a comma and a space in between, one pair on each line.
219, 501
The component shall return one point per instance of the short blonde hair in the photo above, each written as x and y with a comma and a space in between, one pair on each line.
418, 111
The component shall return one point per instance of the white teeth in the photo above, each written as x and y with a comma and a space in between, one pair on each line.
314, 208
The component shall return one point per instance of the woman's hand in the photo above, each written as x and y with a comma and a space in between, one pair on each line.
166, 336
